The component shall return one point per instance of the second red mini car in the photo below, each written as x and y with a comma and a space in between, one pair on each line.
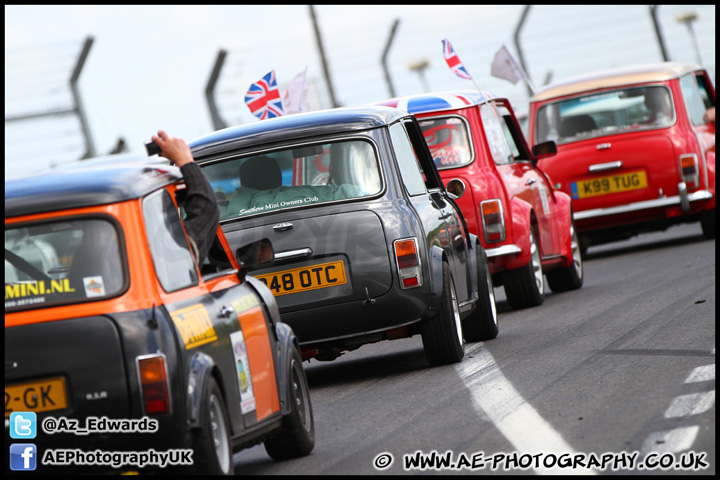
525, 225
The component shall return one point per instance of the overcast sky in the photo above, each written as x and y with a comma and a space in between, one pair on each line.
149, 65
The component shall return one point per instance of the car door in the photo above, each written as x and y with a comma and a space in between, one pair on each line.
214, 315
514, 162
439, 218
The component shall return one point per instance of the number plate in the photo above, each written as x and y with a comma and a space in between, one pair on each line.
609, 184
313, 277
40, 396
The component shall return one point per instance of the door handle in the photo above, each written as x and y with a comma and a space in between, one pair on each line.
226, 312
601, 167
530, 181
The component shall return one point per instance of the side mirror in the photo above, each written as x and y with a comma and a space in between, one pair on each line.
255, 254
455, 188
544, 150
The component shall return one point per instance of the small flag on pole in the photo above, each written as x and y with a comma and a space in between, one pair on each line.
263, 98
504, 66
295, 100
456, 66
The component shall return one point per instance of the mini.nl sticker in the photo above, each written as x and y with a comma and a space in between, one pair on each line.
194, 325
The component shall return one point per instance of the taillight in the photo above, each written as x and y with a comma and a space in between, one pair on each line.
154, 389
493, 220
407, 260
689, 169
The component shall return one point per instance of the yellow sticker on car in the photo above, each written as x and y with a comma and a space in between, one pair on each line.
313, 277
609, 184
194, 325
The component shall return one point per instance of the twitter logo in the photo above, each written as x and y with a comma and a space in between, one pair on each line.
23, 425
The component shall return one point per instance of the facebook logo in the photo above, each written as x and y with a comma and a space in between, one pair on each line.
23, 456
23, 425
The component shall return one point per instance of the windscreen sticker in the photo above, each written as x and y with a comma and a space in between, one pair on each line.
242, 364
194, 325
94, 286
28, 293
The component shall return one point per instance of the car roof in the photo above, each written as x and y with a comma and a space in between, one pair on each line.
96, 181
653, 72
438, 101
296, 126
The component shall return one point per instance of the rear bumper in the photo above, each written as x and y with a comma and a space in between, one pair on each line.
351, 323
675, 200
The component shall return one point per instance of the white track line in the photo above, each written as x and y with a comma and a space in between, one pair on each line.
495, 397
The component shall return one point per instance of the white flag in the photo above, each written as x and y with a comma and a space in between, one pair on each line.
295, 99
506, 67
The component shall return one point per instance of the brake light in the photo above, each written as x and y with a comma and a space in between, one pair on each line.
154, 389
689, 169
493, 220
407, 260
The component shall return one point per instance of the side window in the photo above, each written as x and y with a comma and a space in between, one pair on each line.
495, 135
407, 161
169, 247
511, 135
696, 108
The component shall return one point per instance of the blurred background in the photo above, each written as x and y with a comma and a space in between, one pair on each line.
84, 81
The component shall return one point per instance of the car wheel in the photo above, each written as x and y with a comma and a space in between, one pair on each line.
482, 323
707, 222
296, 437
525, 286
442, 334
571, 277
211, 442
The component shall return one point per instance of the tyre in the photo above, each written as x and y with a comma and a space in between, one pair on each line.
571, 277
525, 286
482, 323
442, 334
211, 442
707, 222
296, 437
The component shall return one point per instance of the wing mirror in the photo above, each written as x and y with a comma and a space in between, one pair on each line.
544, 150
254, 254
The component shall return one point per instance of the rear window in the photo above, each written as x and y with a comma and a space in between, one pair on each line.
60, 262
295, 177
448, 140
594, 115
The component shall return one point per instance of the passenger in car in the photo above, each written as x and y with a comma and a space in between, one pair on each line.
658, 103
201, 207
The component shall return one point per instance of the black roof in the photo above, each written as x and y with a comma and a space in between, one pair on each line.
87, 183
297, 126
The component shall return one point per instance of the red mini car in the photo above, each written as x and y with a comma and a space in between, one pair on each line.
636, 148
525, 225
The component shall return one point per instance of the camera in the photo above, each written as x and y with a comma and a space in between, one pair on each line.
152, 149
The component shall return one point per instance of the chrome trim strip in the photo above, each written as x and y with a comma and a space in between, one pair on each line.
504, 250
632, 207
303, 252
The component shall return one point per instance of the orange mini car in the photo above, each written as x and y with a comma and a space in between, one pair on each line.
109, 321
636, 148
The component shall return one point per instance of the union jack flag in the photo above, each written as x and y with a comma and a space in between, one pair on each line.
454, 62
263, 98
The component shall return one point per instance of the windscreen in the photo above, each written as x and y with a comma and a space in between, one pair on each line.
61, 262
294, 177
594, 115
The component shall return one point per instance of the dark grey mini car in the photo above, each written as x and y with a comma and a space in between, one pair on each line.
369, 245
